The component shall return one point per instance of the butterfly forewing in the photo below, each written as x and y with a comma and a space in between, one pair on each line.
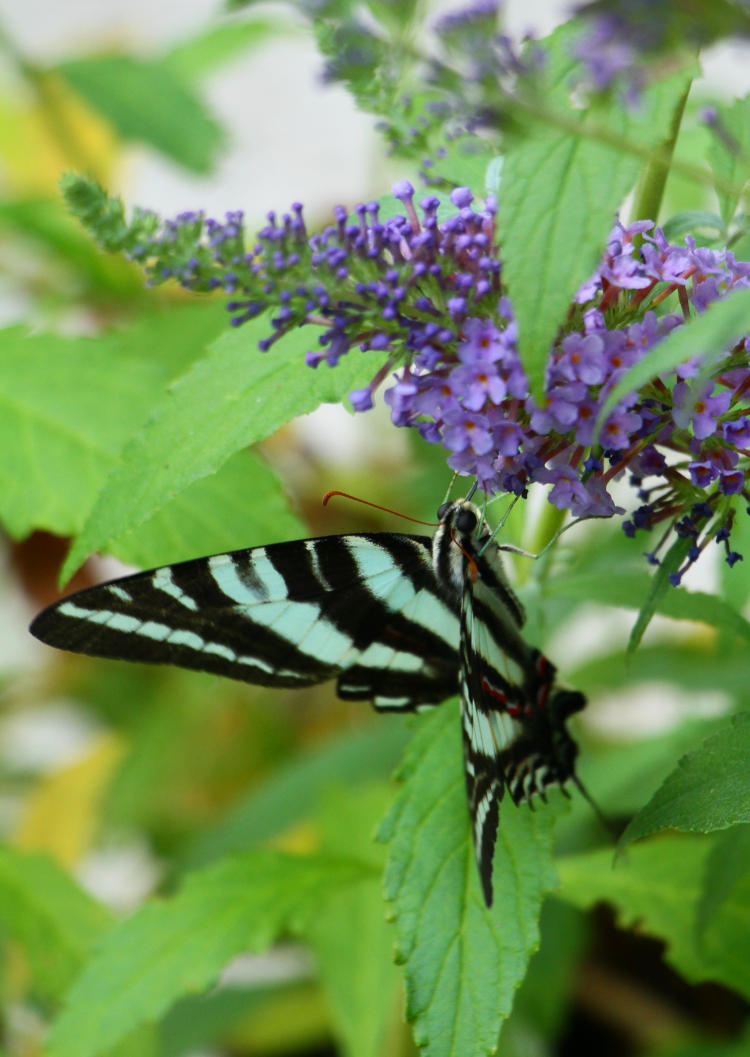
291, 614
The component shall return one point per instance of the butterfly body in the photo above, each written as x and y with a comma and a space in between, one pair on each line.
400, 620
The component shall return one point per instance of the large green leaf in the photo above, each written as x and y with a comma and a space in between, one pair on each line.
227, 401
176, 947
563, 179
708, 790
658, 885
67, 406
55, 922
242, 505
148, 101
462, 961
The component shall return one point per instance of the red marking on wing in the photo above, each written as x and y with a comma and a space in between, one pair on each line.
487, 688
541, 700
497, 694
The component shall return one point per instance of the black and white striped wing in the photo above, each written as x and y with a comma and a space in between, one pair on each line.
364, 609
513, 720
491, 685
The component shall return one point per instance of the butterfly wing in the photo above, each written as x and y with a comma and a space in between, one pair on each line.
489, 714
513, 720
364, 608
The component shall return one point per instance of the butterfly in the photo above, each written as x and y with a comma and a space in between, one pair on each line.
400, 620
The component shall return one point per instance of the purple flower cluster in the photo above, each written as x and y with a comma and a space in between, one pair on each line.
472, 396
423, 290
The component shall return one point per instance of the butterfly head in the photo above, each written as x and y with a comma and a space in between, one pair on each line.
460, 519
455, 545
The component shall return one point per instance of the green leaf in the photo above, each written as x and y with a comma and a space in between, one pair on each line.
729, 153
231, 399
657, 885
290, 793
697, 663
148, 102
55, 922
67, 406
216, 46
628, 587
708, 335
172, 948
562, 182
350, 938
689, 220
470, 163
708, 790
241, 505
462, 962
659, 587
727, 863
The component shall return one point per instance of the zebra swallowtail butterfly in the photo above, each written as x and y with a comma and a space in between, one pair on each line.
400, 620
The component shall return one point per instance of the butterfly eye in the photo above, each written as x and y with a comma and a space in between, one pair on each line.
466, 521
443, 510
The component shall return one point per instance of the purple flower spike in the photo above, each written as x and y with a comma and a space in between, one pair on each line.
403, 190
461, 197
361, 399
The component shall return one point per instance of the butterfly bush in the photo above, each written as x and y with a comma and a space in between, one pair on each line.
425, 298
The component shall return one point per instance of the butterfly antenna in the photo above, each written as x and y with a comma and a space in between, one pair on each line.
449, 489
499, 526
377, 506
558, 534
528, 554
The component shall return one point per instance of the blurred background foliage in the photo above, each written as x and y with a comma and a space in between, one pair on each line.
126, 777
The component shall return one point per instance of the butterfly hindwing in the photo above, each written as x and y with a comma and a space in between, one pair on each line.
491, 681
513, 720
